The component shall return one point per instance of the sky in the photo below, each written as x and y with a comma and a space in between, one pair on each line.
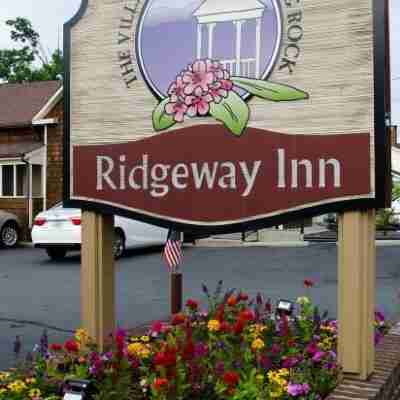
48, 16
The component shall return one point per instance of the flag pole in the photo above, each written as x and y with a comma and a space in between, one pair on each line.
173, 256
176, 292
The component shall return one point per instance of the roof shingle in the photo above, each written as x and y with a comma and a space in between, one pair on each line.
19, 103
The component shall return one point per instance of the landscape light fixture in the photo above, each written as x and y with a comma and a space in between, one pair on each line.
284, 307
78, 389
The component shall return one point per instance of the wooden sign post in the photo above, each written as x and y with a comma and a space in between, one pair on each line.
356, 294
97, 276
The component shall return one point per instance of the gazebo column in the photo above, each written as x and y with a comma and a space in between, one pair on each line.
238, 46
210, 39
258, 48
199, 40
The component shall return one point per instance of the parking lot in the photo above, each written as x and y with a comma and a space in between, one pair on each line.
36, 293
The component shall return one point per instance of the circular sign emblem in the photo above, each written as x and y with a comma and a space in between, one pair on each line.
243, 36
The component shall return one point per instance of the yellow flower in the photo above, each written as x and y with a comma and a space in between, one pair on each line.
276, 393
283, 372
258, 344
4, 376
326, 344
145, 339
214, 325
17, 386
139, 350
81, 335
34, 393
303, 301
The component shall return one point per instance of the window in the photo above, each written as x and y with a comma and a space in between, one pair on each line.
22, 181
37, 187
8, 180
14, 180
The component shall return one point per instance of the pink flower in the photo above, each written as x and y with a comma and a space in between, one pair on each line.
177, 90
198, 105
198, 78
226, 84
218, 92
217, 69
318, 356
178, 109
295, 389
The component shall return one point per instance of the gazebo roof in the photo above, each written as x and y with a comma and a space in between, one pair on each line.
214, 7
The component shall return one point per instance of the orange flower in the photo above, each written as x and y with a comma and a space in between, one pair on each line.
160, 384
178, 319
232, 301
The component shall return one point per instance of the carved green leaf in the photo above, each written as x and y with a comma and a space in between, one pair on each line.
233, 112
161, 120
269, 90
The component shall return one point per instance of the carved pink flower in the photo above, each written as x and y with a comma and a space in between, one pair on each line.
217, 68
198, 105
198, 78
177, 90
226, 84
218, 92
178, 109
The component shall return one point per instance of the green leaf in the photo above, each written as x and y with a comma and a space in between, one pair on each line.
161, 120
233, 112
269, 90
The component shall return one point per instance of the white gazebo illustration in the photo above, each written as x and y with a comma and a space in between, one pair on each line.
212, 12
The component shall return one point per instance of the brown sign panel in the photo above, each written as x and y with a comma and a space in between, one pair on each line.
219, 115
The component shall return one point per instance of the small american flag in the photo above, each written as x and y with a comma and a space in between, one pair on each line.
173, 251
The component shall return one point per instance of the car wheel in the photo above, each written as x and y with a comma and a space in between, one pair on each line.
119, 244
9, 235
56, 254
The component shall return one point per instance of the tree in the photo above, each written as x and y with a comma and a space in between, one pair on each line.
29, 62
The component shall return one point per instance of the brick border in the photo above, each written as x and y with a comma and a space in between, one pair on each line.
385, 381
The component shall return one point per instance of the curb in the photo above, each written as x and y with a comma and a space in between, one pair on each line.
384, 382
229, 243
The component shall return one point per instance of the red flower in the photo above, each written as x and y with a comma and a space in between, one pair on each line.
71, 346
308, 283
192, 304
178, 319
165, 358
232, 301
56, 347
220, 314
160, 384
243, 296
246, 316
225, 327
231, 378
188, 351
238, 327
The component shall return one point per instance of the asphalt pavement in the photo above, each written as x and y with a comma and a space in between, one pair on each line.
36, 293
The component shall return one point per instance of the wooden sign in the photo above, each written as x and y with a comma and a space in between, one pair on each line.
218, 115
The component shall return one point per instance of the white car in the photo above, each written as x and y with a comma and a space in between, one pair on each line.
58, 230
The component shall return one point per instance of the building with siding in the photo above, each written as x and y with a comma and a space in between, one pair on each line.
31, 148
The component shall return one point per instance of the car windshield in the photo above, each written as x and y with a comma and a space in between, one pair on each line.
58, 205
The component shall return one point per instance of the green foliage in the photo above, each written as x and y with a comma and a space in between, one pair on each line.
396, 191
161, 120
233, 112
28, 61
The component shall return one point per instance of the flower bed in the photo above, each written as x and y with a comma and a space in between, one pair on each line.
239, 349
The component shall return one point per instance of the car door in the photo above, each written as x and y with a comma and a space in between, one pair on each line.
139, 234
